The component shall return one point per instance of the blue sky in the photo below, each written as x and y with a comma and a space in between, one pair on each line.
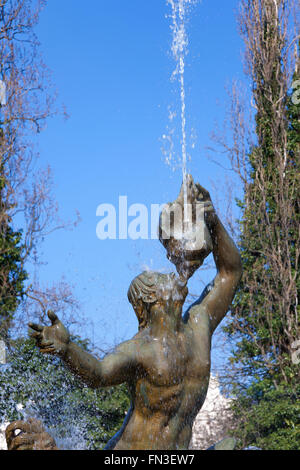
111, 65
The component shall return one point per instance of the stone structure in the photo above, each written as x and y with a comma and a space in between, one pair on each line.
213, 419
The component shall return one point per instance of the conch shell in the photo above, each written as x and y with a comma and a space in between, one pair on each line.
183, 232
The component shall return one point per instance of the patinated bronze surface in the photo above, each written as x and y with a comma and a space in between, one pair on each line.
183, 231
167, 364
29, 435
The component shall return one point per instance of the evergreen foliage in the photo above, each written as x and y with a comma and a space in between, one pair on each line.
77, 416
265, 315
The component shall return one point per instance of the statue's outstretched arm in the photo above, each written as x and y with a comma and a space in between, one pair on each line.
114, 369
217, 297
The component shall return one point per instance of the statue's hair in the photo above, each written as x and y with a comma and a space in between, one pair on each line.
150, 286
143, 287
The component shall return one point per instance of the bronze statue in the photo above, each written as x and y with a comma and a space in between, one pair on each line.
167, 364
31, 436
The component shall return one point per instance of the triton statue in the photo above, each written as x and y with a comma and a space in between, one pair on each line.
167, 364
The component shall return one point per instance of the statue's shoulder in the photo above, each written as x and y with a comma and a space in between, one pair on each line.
128, 347
136, 345
197, 313
197, 325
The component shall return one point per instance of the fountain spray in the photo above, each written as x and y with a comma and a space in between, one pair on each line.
180, 50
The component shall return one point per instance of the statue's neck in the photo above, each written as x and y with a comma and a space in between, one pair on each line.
162, 323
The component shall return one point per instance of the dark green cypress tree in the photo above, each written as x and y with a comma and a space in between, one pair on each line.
12, 273
264, 324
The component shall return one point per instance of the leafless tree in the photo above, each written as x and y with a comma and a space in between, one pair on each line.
27, 199
270, 30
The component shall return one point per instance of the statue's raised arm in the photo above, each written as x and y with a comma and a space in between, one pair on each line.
217, 297
189, 243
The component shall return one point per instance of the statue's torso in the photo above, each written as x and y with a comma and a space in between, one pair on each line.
169, 390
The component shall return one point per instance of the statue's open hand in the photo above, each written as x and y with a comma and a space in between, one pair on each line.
197, 194
52, 339
29, 435
203, 196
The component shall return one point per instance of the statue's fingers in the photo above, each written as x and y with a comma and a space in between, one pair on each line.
53, 317
180, 198
45, 343
49, 350
17, 426
13, 427
204, 204
35, 327
46, 347
35, 335
205, 194
22, 442
208, 207
201, 188
9, 435
203, 208
36, 426
23, 447
190, 189
47, 441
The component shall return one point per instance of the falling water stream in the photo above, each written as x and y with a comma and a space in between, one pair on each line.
180, 50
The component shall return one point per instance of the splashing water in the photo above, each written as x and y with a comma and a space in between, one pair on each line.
28, 389
70, 434
180, 9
